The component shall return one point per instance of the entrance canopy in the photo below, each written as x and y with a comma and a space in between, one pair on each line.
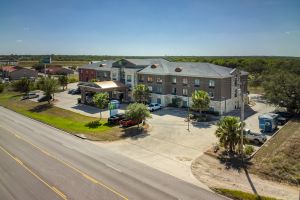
103, 86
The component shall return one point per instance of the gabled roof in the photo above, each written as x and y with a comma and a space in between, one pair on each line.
101, 65
144, 62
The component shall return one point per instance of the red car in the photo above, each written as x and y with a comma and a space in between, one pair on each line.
128, 122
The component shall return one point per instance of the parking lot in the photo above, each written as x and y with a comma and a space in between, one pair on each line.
168, 145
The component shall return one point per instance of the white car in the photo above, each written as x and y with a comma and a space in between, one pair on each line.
256, 138
154, 106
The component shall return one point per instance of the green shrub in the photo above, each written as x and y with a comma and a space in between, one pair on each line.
73, 79
248, 149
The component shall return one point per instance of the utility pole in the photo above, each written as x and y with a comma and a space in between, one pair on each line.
188, 118
242, 122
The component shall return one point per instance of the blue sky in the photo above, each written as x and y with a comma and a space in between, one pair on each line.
151, 27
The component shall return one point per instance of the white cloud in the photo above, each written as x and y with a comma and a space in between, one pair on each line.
19, 41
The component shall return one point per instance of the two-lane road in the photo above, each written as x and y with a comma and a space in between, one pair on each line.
41, 162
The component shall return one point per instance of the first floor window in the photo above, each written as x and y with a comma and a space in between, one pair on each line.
185, 81
141, 78
197, 82
105, 74
150, 88
211, 94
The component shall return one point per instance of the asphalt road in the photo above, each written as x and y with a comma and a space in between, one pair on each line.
41, 162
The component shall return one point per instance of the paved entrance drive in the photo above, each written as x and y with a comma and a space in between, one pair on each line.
170, 147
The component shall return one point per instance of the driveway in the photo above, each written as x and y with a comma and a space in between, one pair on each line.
170, 147
69, 102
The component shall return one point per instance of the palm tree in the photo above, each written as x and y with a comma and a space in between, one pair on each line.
200, 100
229, 133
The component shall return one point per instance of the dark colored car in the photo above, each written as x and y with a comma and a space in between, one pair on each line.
74, 91
128, 122
285, 114
44, 98
116, 118
281, 120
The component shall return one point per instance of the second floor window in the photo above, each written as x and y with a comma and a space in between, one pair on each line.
158, 80
185, 81
158, 89
174, 80
211, 94
150, 79
197, 82
128, 78
174, 91
150, 88
114, 76
184, 92
105, 74
211, 83
141, 78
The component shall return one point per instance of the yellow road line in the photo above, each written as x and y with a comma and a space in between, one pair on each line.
63, 196
72, 167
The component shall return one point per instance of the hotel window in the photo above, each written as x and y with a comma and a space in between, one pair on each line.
114, 76
184, 92
197, 82
211, 83
211, 94
150, 79
105, 74
128, 78
185, 81
141, 78
158, 80
174, 80
158, 89
150, 88
174, 91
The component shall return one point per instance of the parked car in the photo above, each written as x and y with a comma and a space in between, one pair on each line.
256, 138
116, 118
74, 91
30, 95
284, 114
128, 123
281, 120
44, 98
154, 106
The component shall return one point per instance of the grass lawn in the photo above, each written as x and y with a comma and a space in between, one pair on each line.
63, 119
279, 160
239, 195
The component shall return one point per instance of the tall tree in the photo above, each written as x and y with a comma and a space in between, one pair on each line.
137, 112
101, 100
200, 100
49, 86
283, 89
63, 81
229, 133
141, 93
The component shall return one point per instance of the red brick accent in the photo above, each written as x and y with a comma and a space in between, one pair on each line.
86, 75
